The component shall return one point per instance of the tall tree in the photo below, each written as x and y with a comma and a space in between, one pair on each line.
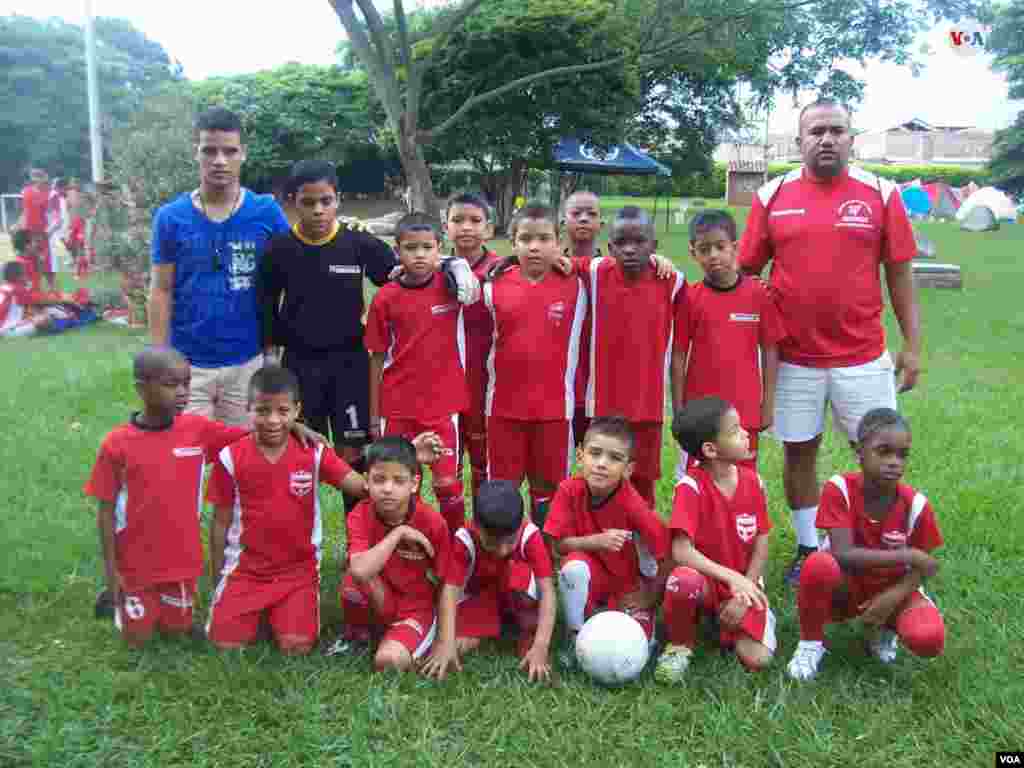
804, 38
45, 120
1007, 42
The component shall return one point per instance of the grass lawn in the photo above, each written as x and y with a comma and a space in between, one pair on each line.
71, 694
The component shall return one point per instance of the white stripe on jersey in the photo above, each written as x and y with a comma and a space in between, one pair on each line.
680, 284
590, 397
121, 509
467, 539
916, 508
767, 191
460, 337
318, 529
489, 396
840, 482
573, 359
690, 482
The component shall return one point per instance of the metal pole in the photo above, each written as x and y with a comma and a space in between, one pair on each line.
95, 137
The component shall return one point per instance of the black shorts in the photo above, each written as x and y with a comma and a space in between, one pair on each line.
335, 390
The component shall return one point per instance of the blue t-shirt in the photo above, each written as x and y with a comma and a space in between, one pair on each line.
215, 318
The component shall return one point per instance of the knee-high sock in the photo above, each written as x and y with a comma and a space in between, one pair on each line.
574, 591
683, 594
805, 527
452, 501
819, 577
921, 629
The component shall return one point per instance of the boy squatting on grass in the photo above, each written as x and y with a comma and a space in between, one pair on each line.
147, 479
881, 535
415, 334
720, 528
614, 547
499, 568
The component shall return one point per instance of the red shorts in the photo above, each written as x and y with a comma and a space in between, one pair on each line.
606, 590
757, 623
473, 434
539, 450
647, 438
447, 428
163, 607
413, 627
480, 614
292, 607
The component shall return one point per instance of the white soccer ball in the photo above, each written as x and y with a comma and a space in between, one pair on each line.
612, 648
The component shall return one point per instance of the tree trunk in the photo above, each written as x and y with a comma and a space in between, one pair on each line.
417, 174
508, 188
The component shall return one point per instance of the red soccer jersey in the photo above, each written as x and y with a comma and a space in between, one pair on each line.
276, 527
476, 570
582, 264
573, 514
721, 529
13, 301
534, 353
633, 324
725, 331
154, 477
34, 203
909, 522
479, 331
826, 240
410, 571
420, 331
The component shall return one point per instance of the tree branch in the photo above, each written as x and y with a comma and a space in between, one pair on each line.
382, 76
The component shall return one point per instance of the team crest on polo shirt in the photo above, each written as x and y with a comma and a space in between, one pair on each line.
854, 213
300, 483
556, 312
894, 540
746, 526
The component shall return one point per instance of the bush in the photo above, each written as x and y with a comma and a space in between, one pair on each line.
954, 175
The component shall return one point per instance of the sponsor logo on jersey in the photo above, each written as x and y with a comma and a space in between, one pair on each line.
185, 451
746, 526
556, 312
345, 269
443, 309
300, 483
894, 539
745, 317
787, 212
854, 213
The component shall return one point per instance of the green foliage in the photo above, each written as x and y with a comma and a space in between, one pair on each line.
293, 112
43, 84
954, 175
1007, 42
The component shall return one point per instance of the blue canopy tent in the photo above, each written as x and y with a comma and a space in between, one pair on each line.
574, 156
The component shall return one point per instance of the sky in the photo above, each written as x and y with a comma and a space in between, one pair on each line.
213, 38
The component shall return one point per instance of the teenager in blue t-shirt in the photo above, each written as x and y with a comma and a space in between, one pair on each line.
207, 247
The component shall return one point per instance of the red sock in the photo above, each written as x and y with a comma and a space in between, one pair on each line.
819, 577
452, 501
921, 628
684, 592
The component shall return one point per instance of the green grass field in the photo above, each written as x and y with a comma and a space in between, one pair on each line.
71, 694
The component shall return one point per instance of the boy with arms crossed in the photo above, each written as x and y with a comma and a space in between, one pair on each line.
720, 529
397, 547
614, 548
499, 566
416, 337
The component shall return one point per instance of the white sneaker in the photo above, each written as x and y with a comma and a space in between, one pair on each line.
806, 660
673, 663
884, 645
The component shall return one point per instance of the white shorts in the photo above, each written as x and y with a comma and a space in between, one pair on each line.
223, 393
802, 393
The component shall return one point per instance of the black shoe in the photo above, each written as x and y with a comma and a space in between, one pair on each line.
792, 574
104, 605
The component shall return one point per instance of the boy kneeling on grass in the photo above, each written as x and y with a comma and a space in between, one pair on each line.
499, 567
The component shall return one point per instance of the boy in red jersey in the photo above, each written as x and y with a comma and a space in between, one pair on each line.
635, 321
16, 296
417, 342
397, 548
538, 319
881, 535
720, 529
148, 480
35, 198
468, 223
266, 533
731, 331
499, 565
614, 547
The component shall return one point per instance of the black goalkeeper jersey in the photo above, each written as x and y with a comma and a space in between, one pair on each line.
322, 286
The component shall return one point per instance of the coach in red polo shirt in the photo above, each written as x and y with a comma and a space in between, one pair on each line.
826, 228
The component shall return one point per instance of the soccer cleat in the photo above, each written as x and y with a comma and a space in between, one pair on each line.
792, 574
884, 644
345, 646
806, 660
673, 663
566, 655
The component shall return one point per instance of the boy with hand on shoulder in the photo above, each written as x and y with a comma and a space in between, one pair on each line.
148, 479
266, 531
720, 528
636, 319
318, 268
499, 566
538, 317
881, 536
614, 548
397, 548
731, 330
468, 221
17, 299
416, 337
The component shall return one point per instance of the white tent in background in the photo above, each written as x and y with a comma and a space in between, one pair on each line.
989, 197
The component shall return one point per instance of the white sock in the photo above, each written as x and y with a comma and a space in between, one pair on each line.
574, 588
804, 525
